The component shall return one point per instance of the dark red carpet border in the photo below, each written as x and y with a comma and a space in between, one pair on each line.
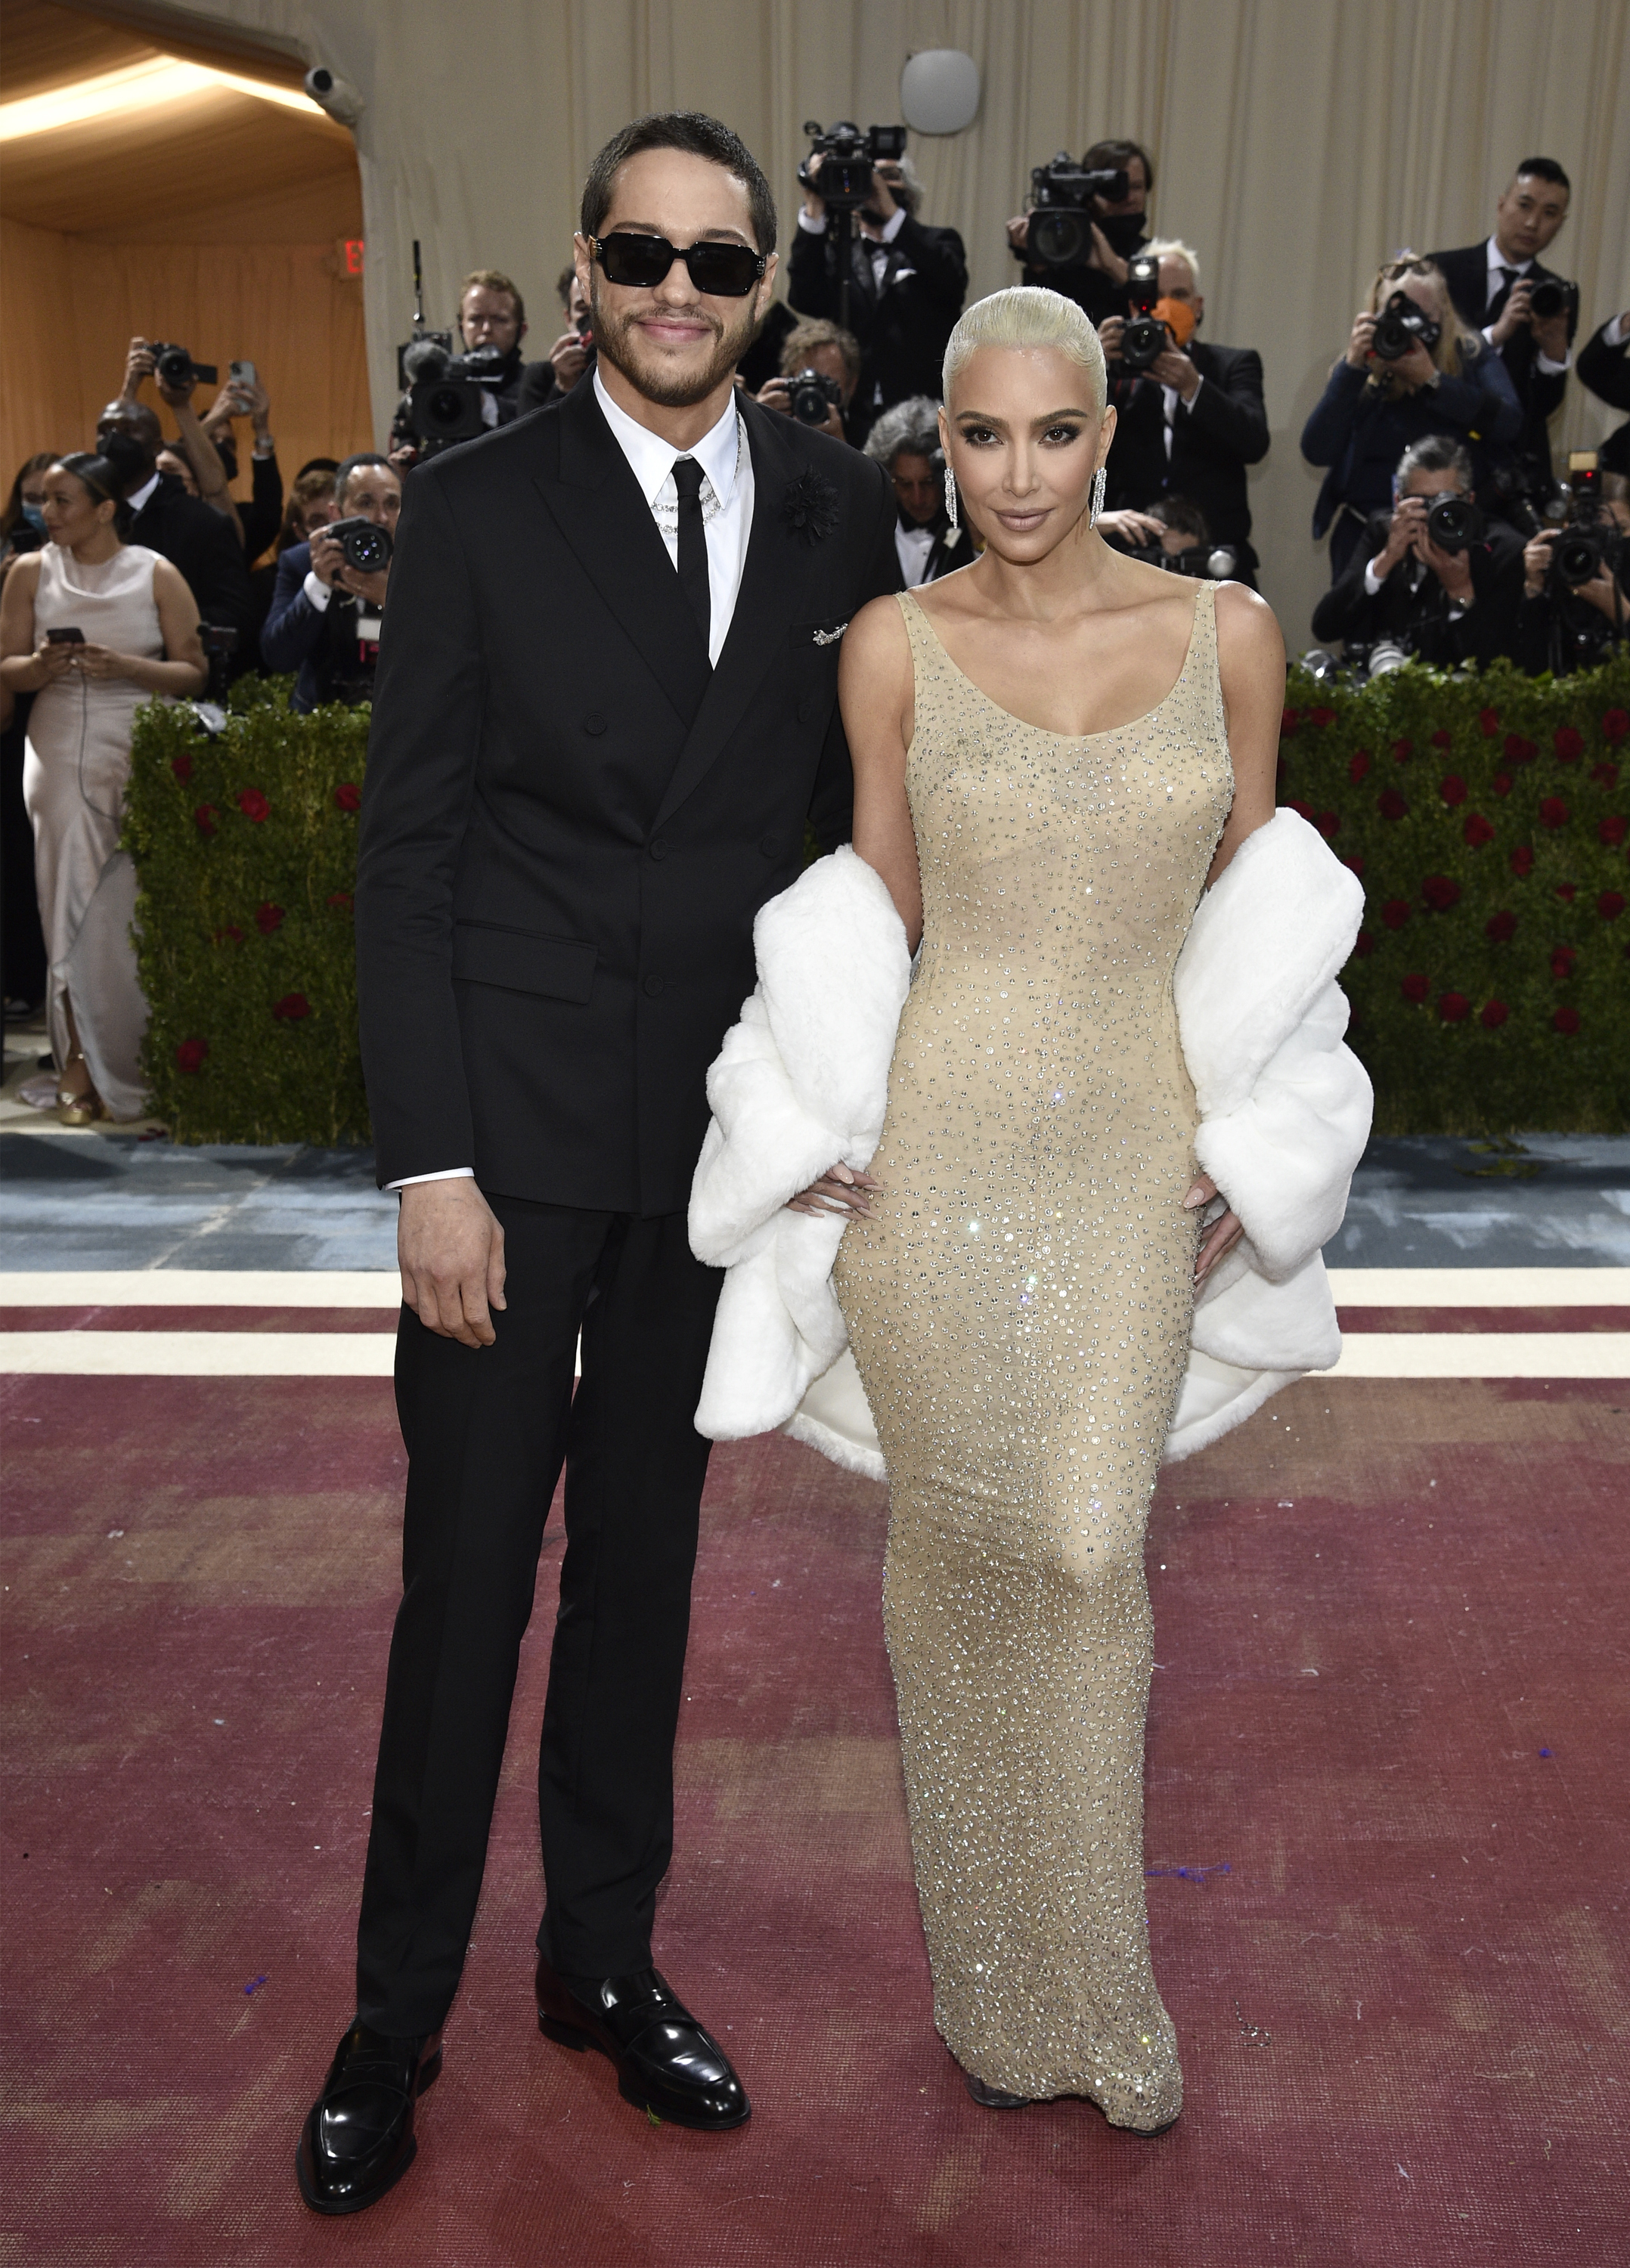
1386, 1831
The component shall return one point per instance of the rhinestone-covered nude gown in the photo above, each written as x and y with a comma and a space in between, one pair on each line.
1019, 1306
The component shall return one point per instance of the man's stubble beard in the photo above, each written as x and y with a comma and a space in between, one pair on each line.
617, 339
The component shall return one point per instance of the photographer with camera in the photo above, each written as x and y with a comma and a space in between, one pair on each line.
1431, 579
1411, 368
820, 371
907, 281
571, 356
1085, 223
1526, 313
327, 611
905, 442
175, 376
1191, 415
455, 396
244, 396
204, 544
1575, 608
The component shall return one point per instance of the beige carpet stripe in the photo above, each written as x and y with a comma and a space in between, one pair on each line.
1487, 1354
1481, 1287
201, 1287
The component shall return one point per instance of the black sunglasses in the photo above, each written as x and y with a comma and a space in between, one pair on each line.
723, 271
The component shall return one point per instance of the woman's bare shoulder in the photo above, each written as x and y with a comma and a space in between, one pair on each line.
1247, 628
876, 637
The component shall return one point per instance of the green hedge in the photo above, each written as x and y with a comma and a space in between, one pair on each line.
1487, 816
246, 855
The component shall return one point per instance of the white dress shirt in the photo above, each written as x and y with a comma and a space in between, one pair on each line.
138, 498
726, 496
1498, 268
877, 246
912, 547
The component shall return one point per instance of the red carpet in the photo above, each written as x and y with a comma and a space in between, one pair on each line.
1391, 1721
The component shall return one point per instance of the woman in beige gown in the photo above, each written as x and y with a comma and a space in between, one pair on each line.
1054, 751
136, 626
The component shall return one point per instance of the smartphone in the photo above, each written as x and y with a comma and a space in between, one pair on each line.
64, 636
242, 374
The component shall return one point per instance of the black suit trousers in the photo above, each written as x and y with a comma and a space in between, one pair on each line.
487, 1431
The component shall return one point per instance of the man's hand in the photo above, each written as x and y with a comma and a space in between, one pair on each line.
815, 204
839, 1190
1536, 561
1101, 256
370, 587
327, 559
1409, 516
1550, 336
1453, 568
1416, 368
404, 456
1134, 527
1112, 330
1516, 315
138, 364
569, 359
1361, 341
1019, 232
885, 179
450, 1247
1172, 367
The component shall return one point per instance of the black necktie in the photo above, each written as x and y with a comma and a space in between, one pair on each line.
1497, 304
693, 544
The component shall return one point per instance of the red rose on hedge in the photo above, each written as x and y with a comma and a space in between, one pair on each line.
1569, 744
1440, 891
1294, 803
1441, 737
1562, 960
1477, 831
1415, 988
1566, 1020
1616, 725
1391, 803
1488, 722
1328, 824
1502, 783
1494, 1014
1522, 861
1359, 765
1364, 943
348, 795
1609, 905
1396, 913
1566, 892
253, 805
1289, 718
182, 767
342, 899
268, 918
191, 1054
1402, 751
1604, 774
1453, 790
1517, 750
1611, 830
1357, 865
1552, 811
291, 1007
203, 818
1453, 1007
232, 935
1321, 717
1500, 928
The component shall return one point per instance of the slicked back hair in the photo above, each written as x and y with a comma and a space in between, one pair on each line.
1544, 169
699, 135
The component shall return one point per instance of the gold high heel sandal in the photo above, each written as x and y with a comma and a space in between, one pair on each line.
82, 1109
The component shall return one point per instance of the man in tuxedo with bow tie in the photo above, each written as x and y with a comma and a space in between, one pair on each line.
1491, 285
606, 706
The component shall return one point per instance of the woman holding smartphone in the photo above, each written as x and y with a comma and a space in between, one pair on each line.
91, 626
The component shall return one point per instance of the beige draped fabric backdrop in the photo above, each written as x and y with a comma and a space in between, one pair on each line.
1297, 143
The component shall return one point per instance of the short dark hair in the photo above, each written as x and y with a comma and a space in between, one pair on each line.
1118, 151
347, 466
1544, 169
493, 279
1181, 515
701, 136
563, 283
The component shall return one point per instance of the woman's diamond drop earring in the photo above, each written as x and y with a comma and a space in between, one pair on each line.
950, 500
1100, 483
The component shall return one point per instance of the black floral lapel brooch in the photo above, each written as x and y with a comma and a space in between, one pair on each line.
810, 507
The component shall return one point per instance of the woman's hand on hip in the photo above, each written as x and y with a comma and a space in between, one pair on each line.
839, 1190
1224, 1232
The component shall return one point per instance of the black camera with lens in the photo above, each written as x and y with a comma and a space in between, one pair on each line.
446, 391
174, 366
847, 158
364, 544
1453, 523
1206, 563
1554, 295
1061, 208
1587, 541
812, 396
1400, 325
1144, 336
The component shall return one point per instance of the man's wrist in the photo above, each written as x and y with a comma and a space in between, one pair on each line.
317, 591
446, 1174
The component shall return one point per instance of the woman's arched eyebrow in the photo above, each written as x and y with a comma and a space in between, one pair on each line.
1000, 424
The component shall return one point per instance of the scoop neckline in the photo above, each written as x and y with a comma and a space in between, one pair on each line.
1107, 732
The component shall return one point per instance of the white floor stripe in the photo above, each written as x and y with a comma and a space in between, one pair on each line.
368, 1354
1482, 1288
201, 1287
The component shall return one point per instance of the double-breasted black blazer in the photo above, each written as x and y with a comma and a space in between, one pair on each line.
569, 820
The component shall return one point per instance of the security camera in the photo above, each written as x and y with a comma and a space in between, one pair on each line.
336, 95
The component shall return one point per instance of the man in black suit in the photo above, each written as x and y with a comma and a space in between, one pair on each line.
205, 545
1191, 423
907, 284
326, 617
1118, 227
605, 707
1444, 604
1491, 285
1604, 368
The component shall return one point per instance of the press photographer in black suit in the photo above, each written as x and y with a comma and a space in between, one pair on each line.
905, 442
1605, 369
205, 545
327, 616
1445, 605
605, 707
1575, 606
907, 285
1190, 424
1493, 284
1119, 229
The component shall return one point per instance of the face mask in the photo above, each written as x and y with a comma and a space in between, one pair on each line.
35, 516
1178, 316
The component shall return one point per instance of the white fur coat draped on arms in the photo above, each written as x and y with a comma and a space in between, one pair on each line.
801, 1081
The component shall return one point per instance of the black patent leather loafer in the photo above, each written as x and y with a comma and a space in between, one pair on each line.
667, 2064
358, 2139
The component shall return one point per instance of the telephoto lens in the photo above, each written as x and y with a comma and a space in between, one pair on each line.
1453, 523
175, 367
1579, 556
813, 395
1551, 295
1401, 325
366, 545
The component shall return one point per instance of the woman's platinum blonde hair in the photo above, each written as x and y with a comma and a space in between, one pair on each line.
1022, 316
